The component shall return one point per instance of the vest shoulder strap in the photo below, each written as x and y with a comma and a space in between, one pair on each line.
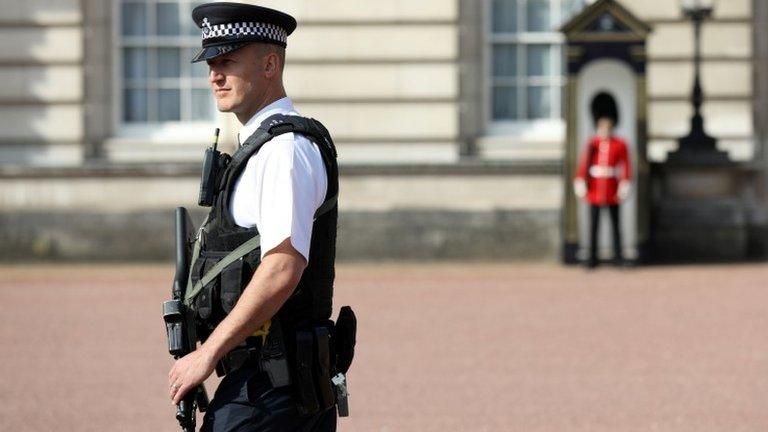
279, 124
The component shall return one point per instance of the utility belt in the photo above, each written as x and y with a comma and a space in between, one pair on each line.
313, 359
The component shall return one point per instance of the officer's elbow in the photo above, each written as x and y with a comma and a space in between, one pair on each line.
285, 260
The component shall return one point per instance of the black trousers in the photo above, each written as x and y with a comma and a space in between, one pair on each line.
246, 402
594, 229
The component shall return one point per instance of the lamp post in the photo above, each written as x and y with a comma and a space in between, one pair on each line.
697, 146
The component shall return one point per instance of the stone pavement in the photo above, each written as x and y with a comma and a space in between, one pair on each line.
448, 347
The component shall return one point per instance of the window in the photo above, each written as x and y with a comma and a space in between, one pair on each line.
156, 81
525, 66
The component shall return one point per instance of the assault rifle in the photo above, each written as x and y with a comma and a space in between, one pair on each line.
179, 323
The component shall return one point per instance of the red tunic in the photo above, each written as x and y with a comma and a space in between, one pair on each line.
602, 164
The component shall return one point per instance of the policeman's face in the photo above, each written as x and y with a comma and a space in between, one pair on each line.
241, 79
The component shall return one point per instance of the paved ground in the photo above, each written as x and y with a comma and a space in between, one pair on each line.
441, 348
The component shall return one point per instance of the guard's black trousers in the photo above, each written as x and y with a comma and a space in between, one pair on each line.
594, 228
246, 402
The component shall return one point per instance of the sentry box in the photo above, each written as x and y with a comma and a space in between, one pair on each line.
606, 60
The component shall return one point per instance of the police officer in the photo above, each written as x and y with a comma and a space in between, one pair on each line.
282, 192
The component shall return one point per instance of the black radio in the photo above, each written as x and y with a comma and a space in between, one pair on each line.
210, 171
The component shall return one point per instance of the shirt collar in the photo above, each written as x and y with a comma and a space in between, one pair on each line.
280, 106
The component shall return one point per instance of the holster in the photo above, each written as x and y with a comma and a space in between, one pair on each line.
345, 338
313, 366
323, 353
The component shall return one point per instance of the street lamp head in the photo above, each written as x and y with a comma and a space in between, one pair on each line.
697, 9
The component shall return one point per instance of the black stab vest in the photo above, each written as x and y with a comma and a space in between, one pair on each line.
311, 301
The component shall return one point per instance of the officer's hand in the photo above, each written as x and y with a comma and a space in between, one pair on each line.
187, 373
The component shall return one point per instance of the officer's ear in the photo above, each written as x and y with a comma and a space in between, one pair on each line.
272, 63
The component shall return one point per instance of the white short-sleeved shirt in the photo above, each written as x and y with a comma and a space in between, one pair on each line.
281, 186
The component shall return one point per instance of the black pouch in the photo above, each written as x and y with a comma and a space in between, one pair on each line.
304, 383
204, 300
231, 285
322, 368
196, 272
313, 368
273, 358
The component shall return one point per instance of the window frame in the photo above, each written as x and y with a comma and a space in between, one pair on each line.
153, 131
536, 129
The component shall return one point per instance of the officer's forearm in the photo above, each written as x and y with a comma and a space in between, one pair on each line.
272, 284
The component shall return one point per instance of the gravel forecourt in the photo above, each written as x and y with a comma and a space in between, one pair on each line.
441, 347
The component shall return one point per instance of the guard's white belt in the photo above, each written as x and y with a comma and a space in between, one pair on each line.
596, 171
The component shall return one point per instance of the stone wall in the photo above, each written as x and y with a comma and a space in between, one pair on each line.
450, 212
727, 64
397, 235
41, 68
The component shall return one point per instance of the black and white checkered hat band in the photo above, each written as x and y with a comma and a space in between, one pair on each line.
242, 29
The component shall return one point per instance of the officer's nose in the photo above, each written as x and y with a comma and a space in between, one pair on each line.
214, 75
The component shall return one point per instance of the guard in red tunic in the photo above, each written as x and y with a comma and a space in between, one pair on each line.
604, 177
